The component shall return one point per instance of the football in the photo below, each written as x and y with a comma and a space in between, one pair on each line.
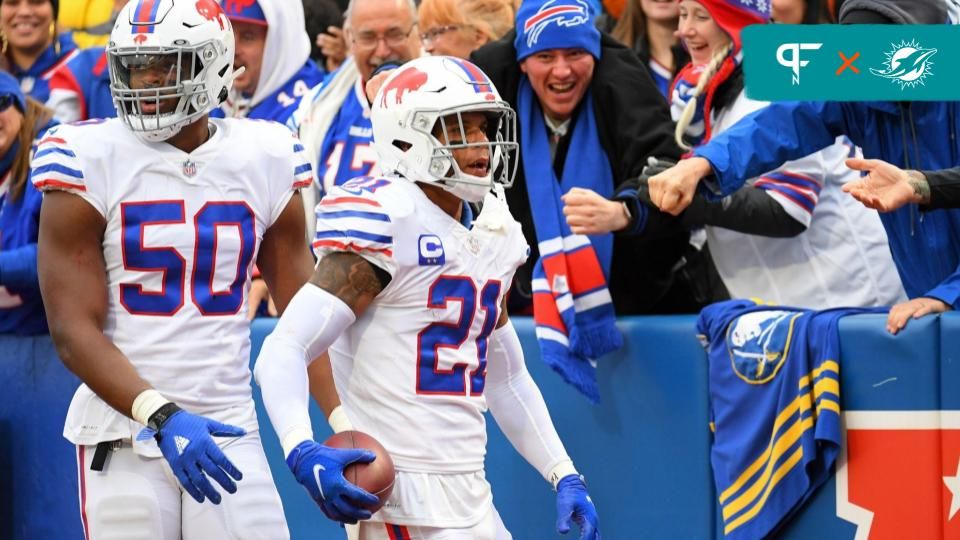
376, 477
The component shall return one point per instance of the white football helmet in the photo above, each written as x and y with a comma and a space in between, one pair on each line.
194, 38
428, 91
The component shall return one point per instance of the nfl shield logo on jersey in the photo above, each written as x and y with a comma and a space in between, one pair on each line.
189, 168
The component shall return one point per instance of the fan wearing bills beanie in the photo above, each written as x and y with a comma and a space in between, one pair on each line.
589, 116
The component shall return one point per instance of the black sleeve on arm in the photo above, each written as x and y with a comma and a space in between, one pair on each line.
944, 188
633, 116
748, 210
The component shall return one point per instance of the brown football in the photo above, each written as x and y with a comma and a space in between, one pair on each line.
376, 477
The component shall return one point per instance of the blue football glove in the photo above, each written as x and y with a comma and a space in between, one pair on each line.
319, 468
186, 443
573, 503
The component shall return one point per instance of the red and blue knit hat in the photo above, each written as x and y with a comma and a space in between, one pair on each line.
555, 24
733, 15
248, 11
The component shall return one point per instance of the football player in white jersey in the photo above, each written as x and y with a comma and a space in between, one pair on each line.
149, 229
408, 297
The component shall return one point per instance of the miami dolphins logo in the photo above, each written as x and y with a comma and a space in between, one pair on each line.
564, 14
907, 64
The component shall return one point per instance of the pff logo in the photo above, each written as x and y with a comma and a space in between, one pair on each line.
794, 62
907, 64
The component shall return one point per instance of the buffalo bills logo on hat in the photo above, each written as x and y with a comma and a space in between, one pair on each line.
561, 12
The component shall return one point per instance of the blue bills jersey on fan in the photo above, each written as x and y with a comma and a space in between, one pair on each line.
775, 402
347, 150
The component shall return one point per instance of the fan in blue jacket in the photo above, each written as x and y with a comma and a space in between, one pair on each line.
911, 135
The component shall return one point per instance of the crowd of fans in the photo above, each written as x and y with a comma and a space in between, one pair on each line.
599, 130
307, 65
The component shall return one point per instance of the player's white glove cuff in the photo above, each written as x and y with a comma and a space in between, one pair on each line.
338, 420
560, 470
145, 404
294, 437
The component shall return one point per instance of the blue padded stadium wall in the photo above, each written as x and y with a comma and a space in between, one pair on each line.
645, 449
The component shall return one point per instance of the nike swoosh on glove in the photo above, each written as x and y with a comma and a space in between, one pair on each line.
319, 468
186, 441
573, 503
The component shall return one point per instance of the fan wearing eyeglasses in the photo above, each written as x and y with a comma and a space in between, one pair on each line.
457, 28
334, 118
30, 363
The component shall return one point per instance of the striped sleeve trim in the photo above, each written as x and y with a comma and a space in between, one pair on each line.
51, 183
335, 245
302, 171
335, 201
353, 224
800, 190
56, 167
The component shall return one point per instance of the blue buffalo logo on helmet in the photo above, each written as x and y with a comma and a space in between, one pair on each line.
555, 24
759, 343
554, 12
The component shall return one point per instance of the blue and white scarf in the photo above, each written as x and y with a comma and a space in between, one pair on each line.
572, 306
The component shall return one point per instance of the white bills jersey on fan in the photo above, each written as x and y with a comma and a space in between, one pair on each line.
182, 234
411, 370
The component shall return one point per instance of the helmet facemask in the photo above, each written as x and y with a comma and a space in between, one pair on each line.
165, 74
449, 124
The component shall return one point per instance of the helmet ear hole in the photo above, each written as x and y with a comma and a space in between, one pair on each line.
402, 145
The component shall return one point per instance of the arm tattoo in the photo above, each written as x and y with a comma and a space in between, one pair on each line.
921, 188
349, 277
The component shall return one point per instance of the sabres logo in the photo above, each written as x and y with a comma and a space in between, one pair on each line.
758, 343
907, 64
565, 14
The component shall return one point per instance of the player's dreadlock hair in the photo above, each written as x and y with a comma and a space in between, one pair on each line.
691, 107
34, 118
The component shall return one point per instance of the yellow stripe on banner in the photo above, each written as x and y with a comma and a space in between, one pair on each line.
826, 384
828, 404
782, 471
782, 446
782, 418
801, 403
827, 365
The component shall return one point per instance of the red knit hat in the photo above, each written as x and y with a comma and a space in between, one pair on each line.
733, 15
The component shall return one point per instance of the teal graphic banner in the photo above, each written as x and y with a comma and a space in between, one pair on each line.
852, 62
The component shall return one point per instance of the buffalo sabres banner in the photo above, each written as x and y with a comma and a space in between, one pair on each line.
774, 380
852, 62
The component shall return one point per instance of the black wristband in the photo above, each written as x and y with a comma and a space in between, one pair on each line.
159, 418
